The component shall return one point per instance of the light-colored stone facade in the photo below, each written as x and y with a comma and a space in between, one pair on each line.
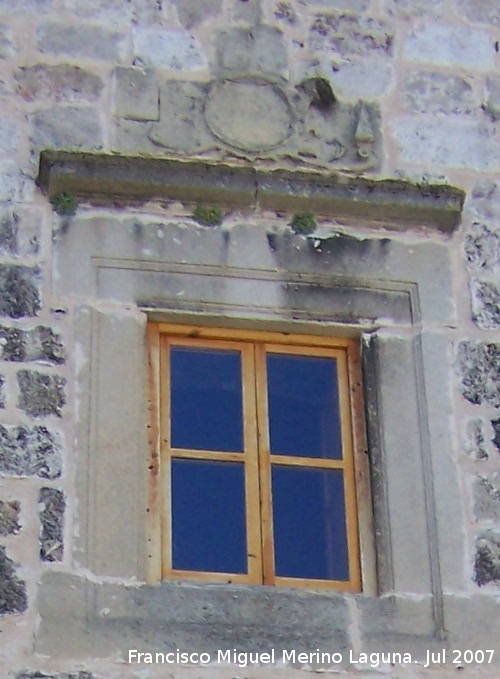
283, 107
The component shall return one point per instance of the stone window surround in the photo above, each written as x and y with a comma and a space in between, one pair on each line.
398, 297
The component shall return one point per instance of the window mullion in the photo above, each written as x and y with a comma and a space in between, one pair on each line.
264, 466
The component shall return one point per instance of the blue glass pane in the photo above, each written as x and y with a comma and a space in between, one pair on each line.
303, 406
208, 516
206, 399
310, 539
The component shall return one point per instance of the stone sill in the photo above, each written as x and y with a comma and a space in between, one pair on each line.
126, 180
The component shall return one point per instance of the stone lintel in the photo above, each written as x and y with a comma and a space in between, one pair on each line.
131, 179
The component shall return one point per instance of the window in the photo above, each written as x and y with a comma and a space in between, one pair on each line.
256, 458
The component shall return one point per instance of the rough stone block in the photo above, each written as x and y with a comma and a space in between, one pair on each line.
19, 294
349, 34
487, 563
349, 5
487, 497
135, 94
362, 79
192, 12
88, 41
482, 246
429, 92
454, 46
9, 517
485, 303
474, 443
67, 128
39, 344
52, 506
3, 397
496, 433
13, 598
249, 11
12, 181
7, 46
492, 104
30, 451
105, 11
478, 367
22, 6
175, 50
485, 12
19, 231
59, 83
256, 50
41, 394
445, 142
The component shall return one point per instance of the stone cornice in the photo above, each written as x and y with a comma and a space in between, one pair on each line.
106, 178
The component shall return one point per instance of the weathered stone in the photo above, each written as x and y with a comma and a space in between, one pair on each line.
39, 344
496, 433
67, 128
175, 50
482, 246
104, 11
9, 136
21, 6
429, 92
415, 8
474, 444
41, 394
13, 598
35, 674
7, 45
487, 497
478, 365
29, 451
249, 114
349, 5
485, 303
492, 104
182, 126
3, 396
59, 83
135, 94
8, 235
285, 12
249, 11
12, 181
445, 142
362, 79
455, 46
487, 563
52, 507
9, 517
480, 11
132, 136
19, 295
257, 50
88, 41
192, 12
349, 34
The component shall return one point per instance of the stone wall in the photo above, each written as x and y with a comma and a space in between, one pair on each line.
387, 88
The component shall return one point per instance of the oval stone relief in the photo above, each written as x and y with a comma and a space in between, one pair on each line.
249, 114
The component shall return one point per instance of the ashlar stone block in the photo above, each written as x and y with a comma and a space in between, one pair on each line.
453, 46
430, 92
192, 12
485, 12
348, 34
492, 104
69, 127
63, 82
135, 94
175, 50
87, 41
257, 50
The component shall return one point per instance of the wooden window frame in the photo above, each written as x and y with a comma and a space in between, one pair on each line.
256, 456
